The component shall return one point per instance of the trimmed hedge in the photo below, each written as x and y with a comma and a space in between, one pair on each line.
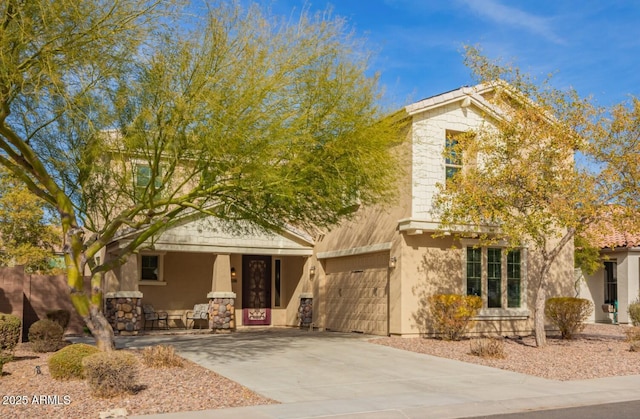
45, 336
10, 327
66, 364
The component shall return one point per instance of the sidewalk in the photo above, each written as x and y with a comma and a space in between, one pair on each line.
343, 376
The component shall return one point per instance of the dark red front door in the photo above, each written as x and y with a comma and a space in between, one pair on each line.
256, 290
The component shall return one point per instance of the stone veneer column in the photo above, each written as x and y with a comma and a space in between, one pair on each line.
222, 311
124, 311
305, 310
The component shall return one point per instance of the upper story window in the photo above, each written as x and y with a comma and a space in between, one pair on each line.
495, 275
144, 174
452, 160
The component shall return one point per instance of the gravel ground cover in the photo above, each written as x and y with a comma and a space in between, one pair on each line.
26, 394
599, 351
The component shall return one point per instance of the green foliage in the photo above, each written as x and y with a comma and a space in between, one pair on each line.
26, 238
587, 256
45, 336
111, 373
568, 314
10, 328
66, 364
487, 348
451, 314
235, 113
634, 312
161, 356
61, 317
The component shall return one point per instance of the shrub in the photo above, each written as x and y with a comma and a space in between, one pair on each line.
10, 327
66, 364
45, 336
111, 373
61, 317
161, 356
451, 314
633, 337
568, 314
634, 312
487, 348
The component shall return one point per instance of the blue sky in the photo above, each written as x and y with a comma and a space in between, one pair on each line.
591, 45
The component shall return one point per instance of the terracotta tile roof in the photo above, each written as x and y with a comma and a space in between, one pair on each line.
618, 239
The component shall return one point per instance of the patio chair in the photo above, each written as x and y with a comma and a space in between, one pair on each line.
155, 317
199, 312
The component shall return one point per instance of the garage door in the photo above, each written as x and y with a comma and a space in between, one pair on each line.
356, 292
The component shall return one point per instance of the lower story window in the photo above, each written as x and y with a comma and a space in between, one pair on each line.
495, 275
610, 283
150, 268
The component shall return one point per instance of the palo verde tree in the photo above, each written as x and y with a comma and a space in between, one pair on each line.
520, 184
122, 125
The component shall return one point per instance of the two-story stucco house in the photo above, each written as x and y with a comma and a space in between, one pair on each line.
371, 274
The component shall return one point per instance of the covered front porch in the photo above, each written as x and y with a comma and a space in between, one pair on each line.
245, 277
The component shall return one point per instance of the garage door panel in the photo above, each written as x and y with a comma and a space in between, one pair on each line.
356, 291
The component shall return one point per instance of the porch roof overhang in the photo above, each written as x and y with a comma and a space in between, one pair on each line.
210, 235
413, 226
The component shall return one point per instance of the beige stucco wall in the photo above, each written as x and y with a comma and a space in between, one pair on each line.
435, 265
188, 281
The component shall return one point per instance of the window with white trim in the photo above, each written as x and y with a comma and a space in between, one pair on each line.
452, 160
495, 274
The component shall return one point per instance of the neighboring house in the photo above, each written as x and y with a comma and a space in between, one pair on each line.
371, 274
617, 284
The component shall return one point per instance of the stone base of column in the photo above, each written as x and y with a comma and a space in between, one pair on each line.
222, 311
305, 310
123, 310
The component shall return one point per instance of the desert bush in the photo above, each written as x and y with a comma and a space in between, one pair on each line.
161, 356
10, 327
487, 348
634, 312
568, 314
45, 336
451, 314
66, 364
61, 317
111, 373
633, 337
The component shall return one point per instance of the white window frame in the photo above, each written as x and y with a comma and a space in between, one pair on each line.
453, 163
161, 279
504, 310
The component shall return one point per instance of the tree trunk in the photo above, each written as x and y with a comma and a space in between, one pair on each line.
101, 330
538, 316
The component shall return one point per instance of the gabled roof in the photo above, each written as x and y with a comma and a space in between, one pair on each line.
466, 95
199, 233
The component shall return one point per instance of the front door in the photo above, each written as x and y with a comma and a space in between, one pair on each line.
256, 290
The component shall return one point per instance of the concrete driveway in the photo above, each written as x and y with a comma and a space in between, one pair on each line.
327, 374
